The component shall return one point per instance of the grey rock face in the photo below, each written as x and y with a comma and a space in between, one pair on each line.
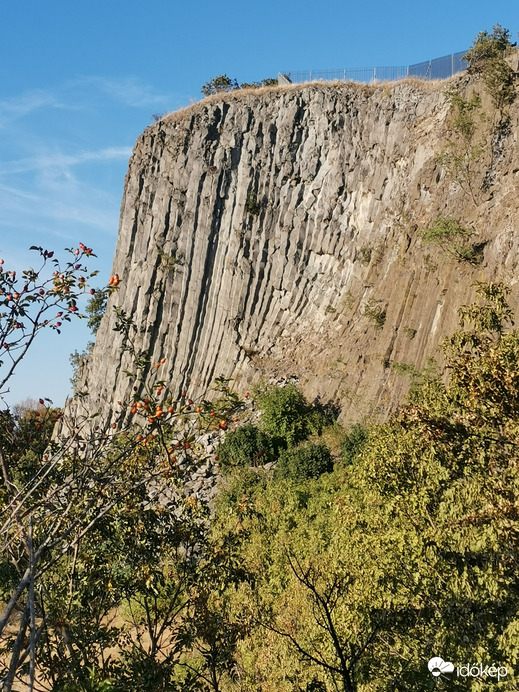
262, 234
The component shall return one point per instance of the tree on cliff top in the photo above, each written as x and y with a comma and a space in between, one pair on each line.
488, 47
487, 58
218, 84
224, 83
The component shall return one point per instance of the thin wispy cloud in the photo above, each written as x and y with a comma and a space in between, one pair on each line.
63, 161
26, 103
129, 91
50, 211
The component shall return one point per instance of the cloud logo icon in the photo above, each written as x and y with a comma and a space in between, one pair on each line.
437, 666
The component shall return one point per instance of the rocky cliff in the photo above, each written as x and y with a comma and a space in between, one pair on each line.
277, 232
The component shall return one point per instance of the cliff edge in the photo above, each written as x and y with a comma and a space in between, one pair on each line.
277, 232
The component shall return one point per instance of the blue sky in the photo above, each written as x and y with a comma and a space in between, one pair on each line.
80, 81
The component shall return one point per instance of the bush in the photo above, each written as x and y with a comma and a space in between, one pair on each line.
269, 81
354, 443
219, 84
246, 446
237, 494
453, 238
287, 416
488, 47
486, 57
307, 461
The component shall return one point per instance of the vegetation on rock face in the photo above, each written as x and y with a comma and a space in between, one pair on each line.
465, 152
487, 47
95, 310
453, 238
477, 138
375, 313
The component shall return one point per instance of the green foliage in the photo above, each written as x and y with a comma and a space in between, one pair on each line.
488, 47
464, 154
8, 579
223, 83
354, 442
440, 471
493, 315
241, 485
25, 433
36, 299
287, 417
92, 684
486, 57
474, 145
246, 446
269, 81
452, 238
85, 539
312, 578
445, 231
464, 112
95, 309
252, 206
499, 81
303, 462
219, 84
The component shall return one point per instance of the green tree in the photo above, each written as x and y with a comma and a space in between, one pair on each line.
222, 83
354, 442
304, 461
487, 58
95, 310
287, 417
246, 446
465, 151
443, 476
487, 47
269, 81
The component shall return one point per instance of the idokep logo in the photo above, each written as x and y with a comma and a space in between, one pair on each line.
438, 666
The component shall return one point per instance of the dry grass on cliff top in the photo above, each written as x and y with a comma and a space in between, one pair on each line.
357, 87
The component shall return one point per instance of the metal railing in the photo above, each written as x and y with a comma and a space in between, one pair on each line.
439, 68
